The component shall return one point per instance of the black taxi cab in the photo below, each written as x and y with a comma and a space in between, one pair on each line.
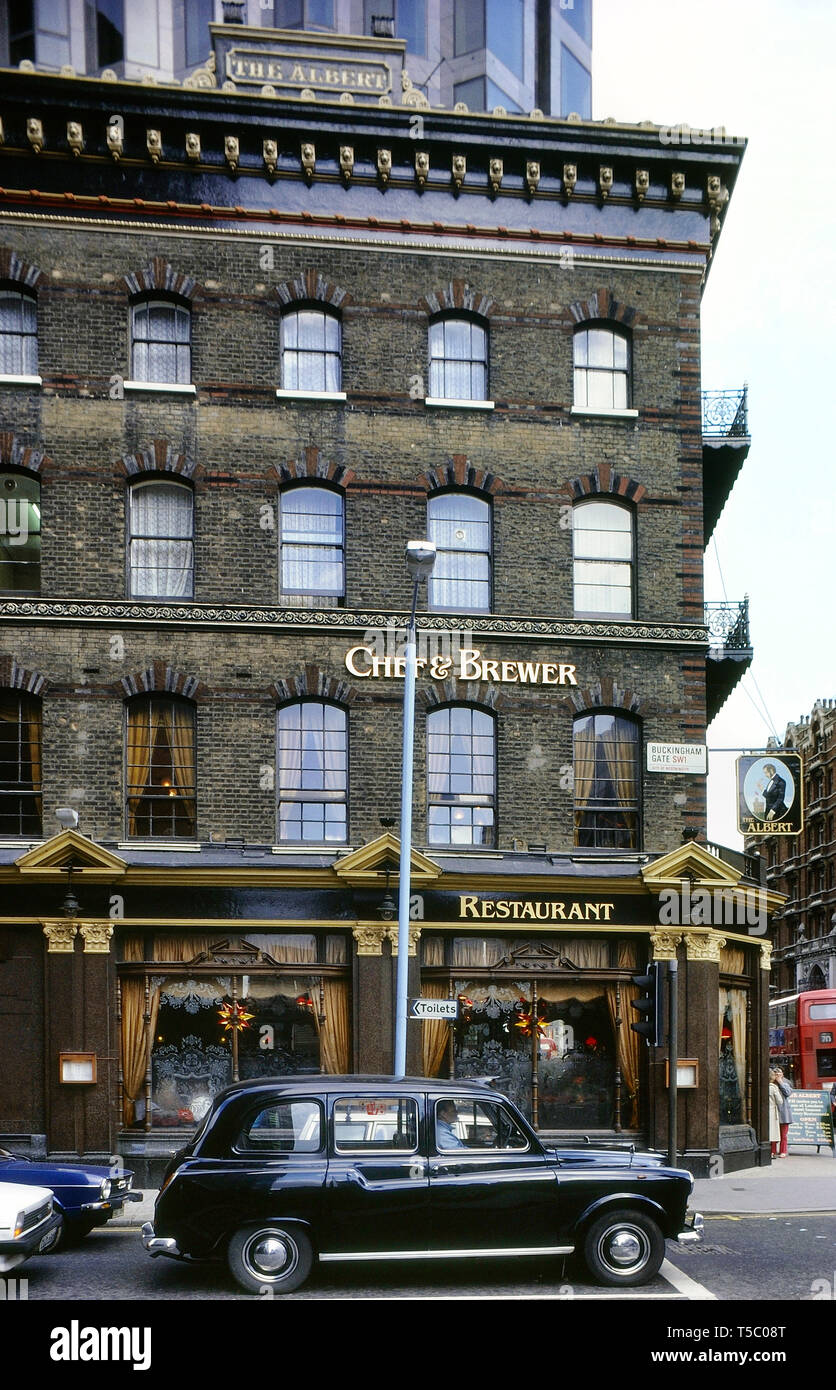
283, 1172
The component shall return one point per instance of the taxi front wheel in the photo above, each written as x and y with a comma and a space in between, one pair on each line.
270, 1256
624, 1248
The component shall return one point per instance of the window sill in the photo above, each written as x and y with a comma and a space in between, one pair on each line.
162, 387
450, 403
605, 412
311, 395
20, 379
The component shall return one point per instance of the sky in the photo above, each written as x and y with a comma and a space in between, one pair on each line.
764, 70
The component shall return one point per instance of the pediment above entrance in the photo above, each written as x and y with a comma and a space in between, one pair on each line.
694, 863
381, 858
56, 856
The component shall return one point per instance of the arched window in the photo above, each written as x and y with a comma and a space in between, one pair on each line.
18, 333
20, 764
20, 533
161, 342
160, 768
606, 781
312, 541
602, 543
602, 368
458, 359
160, 539
461, 776
459, 523
312, 779
311, 350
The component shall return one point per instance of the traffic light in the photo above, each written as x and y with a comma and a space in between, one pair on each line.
650, 1006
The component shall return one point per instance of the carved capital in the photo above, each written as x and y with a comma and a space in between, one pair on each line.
414, 938
96, 937
766, 954
664, 944
60, 936
369, 939
703, 945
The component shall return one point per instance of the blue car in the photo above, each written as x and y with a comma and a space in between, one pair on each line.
85, 1196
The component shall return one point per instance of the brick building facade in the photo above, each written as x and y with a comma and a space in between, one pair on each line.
252, 345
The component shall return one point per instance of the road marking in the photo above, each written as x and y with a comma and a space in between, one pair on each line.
684, 1284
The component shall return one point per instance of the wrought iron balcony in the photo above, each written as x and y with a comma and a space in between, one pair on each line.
729, 651
725, 414
728, 626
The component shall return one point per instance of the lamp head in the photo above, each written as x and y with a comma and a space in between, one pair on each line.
420, 558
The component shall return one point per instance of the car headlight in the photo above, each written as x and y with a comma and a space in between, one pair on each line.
18, 1226
104, 1191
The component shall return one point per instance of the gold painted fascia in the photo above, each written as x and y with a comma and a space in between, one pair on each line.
539, 883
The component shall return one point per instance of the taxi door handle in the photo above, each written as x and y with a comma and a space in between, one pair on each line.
437, 1168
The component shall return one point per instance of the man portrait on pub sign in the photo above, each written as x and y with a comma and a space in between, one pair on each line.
769, 795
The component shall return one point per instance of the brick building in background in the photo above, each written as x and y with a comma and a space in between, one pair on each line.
252, 344
802, 868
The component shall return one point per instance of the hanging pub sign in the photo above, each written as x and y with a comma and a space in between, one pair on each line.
770, 794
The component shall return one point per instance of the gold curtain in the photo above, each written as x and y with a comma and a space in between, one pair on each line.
628, 1045
179, 725
433, 950
435, 1032
558, 991
136, 1034
732, 960
182, 946
587, 952
143, 722
584, 745
628, 955
478, 950
335, 1034
736, 999
619, 747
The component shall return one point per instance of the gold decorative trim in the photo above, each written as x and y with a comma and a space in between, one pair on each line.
369, 939
414, 938
96, 937
703, 945
664, 944
60, 937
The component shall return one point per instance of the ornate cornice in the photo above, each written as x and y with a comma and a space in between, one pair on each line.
78, 611
60, 936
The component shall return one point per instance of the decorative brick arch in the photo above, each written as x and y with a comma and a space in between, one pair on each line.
16, 677
457, 295
310, 285
602, 481
458, 471
15, 454
605, 693
603, 305
311, 464
160, 679
312, 683
159, 456
20, 272
161, 275
484, 694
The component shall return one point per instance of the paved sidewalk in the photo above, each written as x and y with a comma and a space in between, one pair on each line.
805, 1181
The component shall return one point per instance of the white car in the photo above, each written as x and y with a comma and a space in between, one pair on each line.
29, 1225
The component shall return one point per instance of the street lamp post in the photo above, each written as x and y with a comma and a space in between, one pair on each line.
420, 558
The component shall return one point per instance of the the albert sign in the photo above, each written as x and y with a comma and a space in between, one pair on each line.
677, 757
433, 1008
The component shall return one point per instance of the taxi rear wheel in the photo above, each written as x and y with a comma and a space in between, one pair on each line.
624, 1248
270, 1256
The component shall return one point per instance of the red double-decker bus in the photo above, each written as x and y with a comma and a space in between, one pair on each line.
802, 1038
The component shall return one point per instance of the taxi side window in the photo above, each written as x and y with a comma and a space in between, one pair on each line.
370, 1124
470, 1124
287, 1127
